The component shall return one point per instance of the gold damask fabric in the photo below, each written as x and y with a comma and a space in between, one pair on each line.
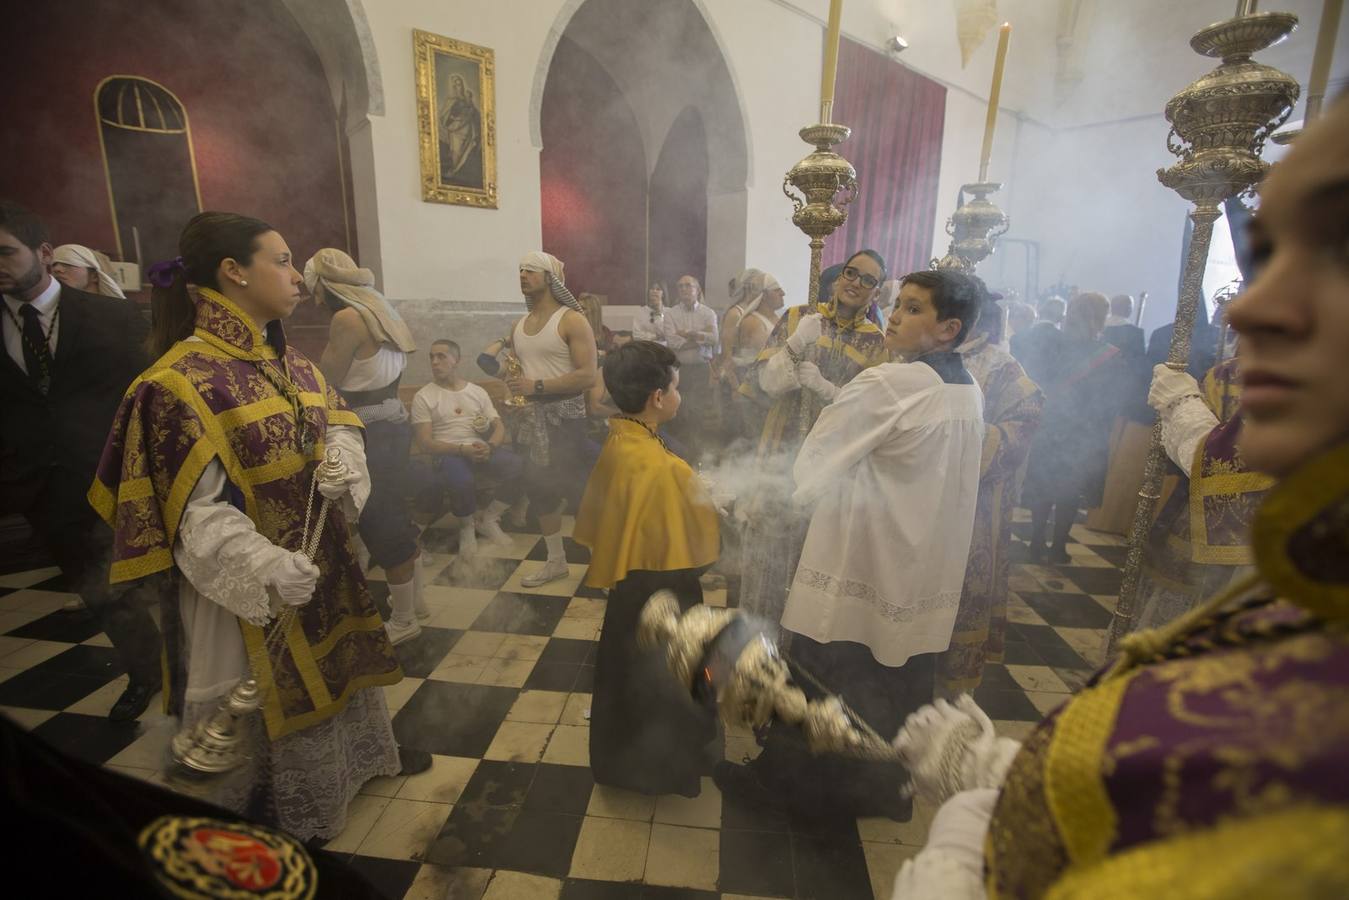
1248, 723
262, 409
1209, 760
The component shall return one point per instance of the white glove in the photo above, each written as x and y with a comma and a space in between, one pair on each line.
809, 375
952, 862
340, 489
1168, 386
807, 333
952, 747
293, 577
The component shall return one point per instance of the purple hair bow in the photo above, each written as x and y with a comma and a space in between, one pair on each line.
162, 274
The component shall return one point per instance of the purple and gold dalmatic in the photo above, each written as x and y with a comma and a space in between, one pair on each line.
233, 396
1212, 759
1204, 529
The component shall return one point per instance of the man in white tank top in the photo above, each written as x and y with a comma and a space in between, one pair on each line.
368, 346
556, 349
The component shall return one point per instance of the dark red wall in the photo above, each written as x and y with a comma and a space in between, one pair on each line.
262, 118
593, 179
897, 117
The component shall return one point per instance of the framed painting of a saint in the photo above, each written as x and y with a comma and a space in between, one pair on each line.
456, 120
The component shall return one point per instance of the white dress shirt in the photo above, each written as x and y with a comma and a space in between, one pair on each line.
701, 319
45, 305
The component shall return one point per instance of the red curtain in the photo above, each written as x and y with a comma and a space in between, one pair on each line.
896, 116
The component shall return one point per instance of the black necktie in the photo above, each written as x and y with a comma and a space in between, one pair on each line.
37, 356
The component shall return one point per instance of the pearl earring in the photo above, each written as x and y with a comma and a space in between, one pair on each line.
243, 282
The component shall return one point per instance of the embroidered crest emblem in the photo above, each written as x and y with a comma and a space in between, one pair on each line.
209, 858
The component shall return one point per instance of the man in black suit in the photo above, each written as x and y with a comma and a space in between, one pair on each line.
69, 357
1036, 348
1122, 333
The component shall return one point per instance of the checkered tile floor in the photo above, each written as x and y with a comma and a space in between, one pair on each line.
498, 689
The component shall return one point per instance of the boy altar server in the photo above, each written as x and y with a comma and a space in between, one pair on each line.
649, 525
891, 468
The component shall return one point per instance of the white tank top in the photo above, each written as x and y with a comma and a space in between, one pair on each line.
375, 371
545, 355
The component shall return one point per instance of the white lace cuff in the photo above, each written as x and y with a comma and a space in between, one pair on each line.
1183, 427
220, 552
777, 376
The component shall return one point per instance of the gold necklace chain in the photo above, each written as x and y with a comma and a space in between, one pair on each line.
651, 431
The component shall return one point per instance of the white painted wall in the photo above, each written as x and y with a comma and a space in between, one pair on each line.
1087, 190
774, 51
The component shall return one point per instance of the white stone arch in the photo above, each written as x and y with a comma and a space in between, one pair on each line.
730, 156
559, 28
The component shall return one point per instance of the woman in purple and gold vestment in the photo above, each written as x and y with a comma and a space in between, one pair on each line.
1013, 405
206, 479
812, 352
1207, 760
1200, 542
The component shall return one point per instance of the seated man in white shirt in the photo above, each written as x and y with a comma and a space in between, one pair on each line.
892, 470
455, 422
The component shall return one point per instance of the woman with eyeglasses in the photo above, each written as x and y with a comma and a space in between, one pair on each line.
811, 354
651, 323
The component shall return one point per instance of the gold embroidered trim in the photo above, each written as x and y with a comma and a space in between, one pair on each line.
1074, 787
1203, 486
1297, 852
1290, 506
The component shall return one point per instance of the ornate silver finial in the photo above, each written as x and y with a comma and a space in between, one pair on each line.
735, 657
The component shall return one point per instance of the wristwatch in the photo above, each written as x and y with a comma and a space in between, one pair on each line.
538, 386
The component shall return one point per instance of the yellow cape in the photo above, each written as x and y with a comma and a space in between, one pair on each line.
643, 510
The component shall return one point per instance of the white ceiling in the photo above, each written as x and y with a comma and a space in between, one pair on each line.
1132, 55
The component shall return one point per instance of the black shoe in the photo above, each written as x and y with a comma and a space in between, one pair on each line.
414, 761
134, 701
1059, 557
742, 783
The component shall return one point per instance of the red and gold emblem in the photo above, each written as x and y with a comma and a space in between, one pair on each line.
209, 858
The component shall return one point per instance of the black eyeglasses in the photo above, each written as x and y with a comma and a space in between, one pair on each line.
867, 281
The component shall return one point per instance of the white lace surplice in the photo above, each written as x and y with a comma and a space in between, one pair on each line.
224, 560
308, 778
893, 465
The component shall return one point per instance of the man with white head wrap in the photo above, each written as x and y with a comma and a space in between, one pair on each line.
368, 347
745, 330
556, 349
82, 269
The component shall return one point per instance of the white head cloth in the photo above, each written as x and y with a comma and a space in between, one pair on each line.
332, 271
538, 261
753, 284
82, 256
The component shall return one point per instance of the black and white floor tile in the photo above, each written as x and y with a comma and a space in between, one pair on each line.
497, 688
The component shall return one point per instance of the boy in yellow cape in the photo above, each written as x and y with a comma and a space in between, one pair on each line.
649, 525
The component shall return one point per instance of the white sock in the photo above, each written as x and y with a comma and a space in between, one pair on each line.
494, 511
403, 597
554, 544
418, 581
468, 538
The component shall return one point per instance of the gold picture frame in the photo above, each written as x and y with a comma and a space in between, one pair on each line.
456, 123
